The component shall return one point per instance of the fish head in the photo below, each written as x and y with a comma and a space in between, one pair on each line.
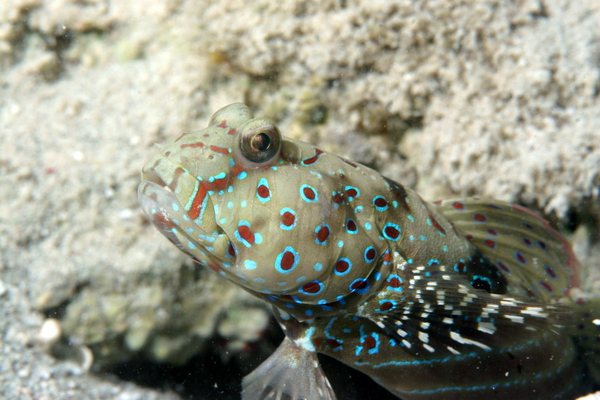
267, 212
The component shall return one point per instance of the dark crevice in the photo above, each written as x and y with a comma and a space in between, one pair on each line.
211, 376
205, 376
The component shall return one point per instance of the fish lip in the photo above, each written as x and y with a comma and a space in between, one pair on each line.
157, 198
152, 197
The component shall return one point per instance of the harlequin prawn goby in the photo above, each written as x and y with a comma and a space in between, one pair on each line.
456, 299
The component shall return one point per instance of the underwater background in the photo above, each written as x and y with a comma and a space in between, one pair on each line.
499, 99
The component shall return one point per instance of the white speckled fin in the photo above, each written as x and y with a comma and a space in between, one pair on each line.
449, 316
291, 373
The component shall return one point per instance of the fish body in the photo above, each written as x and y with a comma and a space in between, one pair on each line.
456, 299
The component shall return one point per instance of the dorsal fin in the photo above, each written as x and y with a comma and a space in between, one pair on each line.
534, 258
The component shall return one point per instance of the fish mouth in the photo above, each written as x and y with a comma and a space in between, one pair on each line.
201, 238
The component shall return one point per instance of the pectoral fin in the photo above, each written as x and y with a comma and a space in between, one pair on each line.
291, 373
433, 309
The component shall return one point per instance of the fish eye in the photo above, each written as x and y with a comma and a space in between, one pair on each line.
260, 141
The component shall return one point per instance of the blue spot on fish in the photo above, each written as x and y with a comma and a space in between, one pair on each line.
250, 264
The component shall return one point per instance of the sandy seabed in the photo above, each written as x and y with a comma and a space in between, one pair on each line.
488, 98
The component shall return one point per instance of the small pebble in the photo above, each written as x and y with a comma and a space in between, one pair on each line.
49, 333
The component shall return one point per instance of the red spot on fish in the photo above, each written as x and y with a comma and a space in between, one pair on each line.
232, 131
313, 159
288, 219
436, 224
192, 145
342, 266
458, 205
323, 234
460, 266
503, 266
490, 243
351, 192
387, 257
394, 282
380, 202
351, 226
386, 305
369, 343
371, 253
247, 234
550, 271
361, 284
221, 150
392, 232
468, 236
546, 285
333, 343
196, 207
231, 249
287, 261
223, 124
312, 287
309, 193
263, 192
479, 218
492, 231
338, 197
